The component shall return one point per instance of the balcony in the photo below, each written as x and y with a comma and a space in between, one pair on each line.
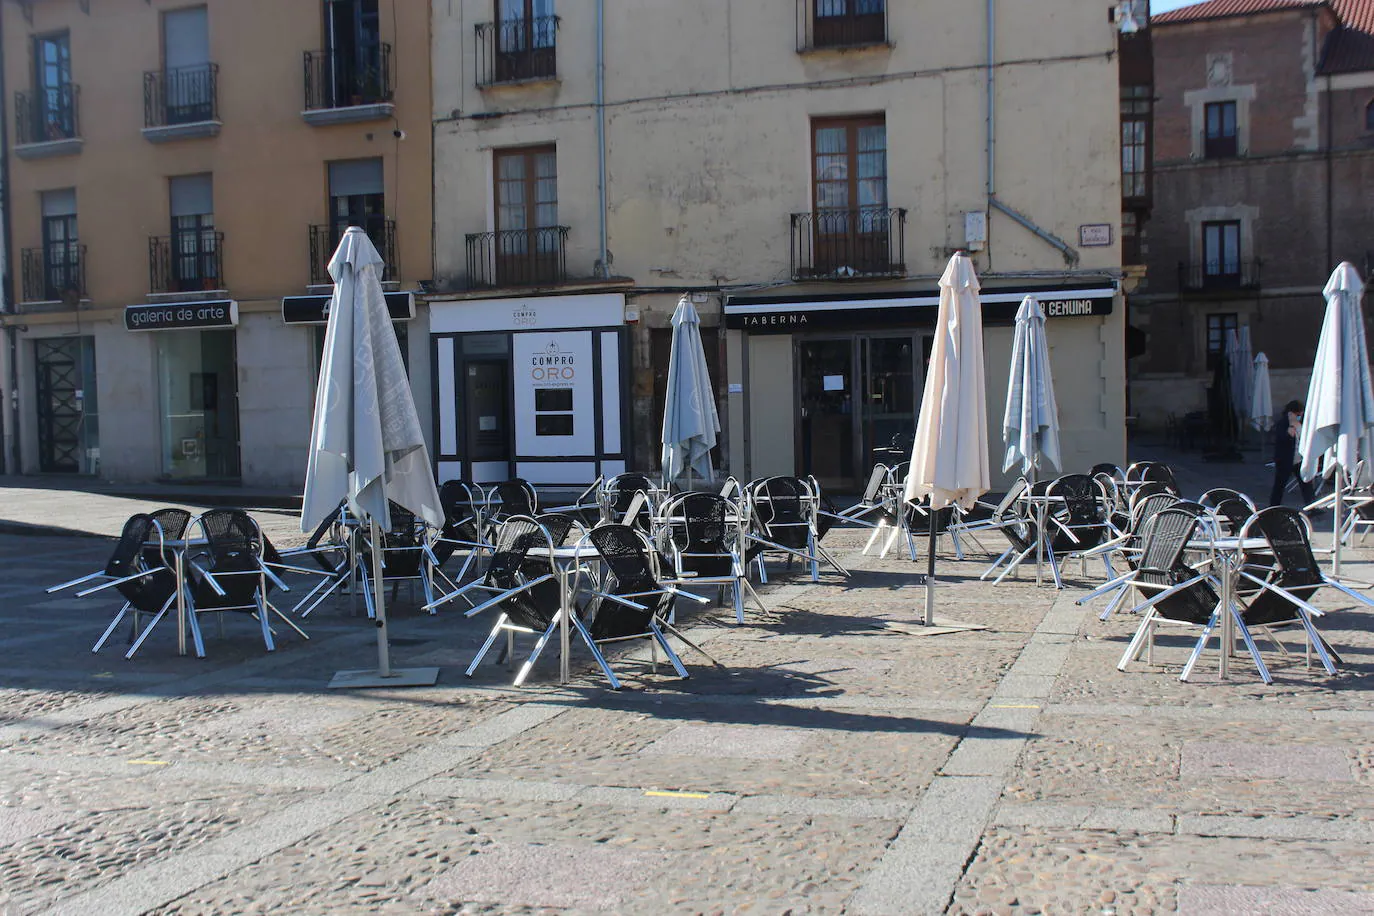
325, 239
839, 24
1219, 278
186, 262
46, 123
849, 244
517, 51
518, 257
341, 89
181, 103
54, 273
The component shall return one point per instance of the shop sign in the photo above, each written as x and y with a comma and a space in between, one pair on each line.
554, 397
315, 309
779, 316
181, 316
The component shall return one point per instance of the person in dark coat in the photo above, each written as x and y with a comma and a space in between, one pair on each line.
1286, 428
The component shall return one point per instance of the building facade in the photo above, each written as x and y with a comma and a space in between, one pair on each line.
1263, 170
178, 177
801, 172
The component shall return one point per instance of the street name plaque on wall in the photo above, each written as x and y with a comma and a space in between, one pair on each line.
182, 316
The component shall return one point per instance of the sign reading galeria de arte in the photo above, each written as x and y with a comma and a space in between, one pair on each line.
554, 393
181, 316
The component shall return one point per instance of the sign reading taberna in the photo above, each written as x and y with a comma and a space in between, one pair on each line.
315, 309
182, 316
784, 315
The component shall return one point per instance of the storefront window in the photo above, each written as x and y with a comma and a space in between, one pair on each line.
197, 394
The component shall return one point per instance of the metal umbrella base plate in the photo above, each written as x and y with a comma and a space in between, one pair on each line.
373, 677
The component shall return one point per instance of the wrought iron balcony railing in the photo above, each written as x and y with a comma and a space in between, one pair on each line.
337, 80
325, 239
840, 23
845, 244
182, 95
54, 272
517, 50
47, 115
1219, 276
187, 261
518, 257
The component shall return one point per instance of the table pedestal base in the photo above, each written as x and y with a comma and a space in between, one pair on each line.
372, 677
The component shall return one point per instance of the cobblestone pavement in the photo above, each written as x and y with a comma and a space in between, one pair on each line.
837, 761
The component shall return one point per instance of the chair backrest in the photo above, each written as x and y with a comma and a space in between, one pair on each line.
558, 525
462, 502
618, 494
129, 549
700, 530
1161, 473
896, 475
523, 552
514, 497
173, 522
876, 479
1110, 491
140, 547
1014, 492
730, 488
1291, 564
1147, 490
632, 571
1233, 512
233, 553
1085, 511
1107, 468
1162, 566
1217, 494
781, 505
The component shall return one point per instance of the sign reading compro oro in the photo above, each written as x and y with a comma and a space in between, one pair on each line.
181, 316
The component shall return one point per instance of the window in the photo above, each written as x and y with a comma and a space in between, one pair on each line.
1369, 117
188, 79
527, 243
54, 114
194, 242
357, 197
353, 51
1219, 138
553, 411
1135, 140
1218, 326
851, 223
1221, 252
61, 249
839, 23
525, 34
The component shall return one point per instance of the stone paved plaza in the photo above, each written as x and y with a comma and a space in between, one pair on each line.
837, 762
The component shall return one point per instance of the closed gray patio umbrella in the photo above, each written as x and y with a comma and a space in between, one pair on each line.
690, 422
1339, 414
366, 446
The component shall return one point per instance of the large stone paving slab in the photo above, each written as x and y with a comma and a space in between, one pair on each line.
1036, 870
419, 856
807, 753
265, 728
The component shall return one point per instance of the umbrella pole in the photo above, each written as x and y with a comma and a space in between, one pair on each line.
379, 602
930, 571
1336, 521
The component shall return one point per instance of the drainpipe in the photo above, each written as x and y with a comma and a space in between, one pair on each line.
9, 423
1330, 181
1054, 241
604, 266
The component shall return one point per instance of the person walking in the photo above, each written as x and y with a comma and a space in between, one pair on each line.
1287, 427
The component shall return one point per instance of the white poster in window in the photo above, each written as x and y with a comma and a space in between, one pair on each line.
554, 396
834, 383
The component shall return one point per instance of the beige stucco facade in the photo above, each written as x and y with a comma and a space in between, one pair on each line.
708, 111
269, 174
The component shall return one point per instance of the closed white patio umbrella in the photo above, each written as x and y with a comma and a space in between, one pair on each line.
690, 422
1030, 427
1339, 412
366, 446
1261, 395
949, 457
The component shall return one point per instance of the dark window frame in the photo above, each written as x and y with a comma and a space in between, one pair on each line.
1369, 116
1220, 138
1136, 137
847, 23
1216, 265
852, 126
529, 181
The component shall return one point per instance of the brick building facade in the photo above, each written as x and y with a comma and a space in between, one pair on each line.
1263, 182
